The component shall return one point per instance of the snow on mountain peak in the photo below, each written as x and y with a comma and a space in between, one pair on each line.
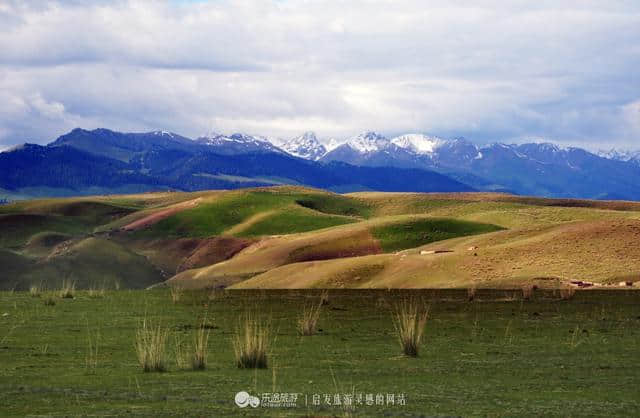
620, 155
163, 133
418, 143
305, 146
368, 142
332, 144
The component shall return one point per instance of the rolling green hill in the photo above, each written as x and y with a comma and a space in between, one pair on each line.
290, 236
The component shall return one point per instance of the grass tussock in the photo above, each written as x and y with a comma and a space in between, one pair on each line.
567, 293
251, 342
527, 291
324, 297
181, 354
95, 293
176, 293
151, 343
200, 347
68, 289
91, 359
35, 290
471, 293
49, 300
409, 319
308, 321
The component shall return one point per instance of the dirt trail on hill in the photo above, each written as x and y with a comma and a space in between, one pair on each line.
247, 223
160, 215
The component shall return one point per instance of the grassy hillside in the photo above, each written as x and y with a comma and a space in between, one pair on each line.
417, 232
265, 212
296, 237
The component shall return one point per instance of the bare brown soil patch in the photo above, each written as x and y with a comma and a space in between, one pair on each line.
160, 215
213, 250
359, 244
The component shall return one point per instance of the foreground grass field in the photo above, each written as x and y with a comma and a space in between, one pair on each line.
496, 355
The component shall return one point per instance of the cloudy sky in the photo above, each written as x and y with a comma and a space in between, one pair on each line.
565, 71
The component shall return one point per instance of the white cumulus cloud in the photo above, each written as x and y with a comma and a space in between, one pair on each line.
487, 70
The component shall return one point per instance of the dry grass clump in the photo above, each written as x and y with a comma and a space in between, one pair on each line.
324, 297
527, 291
251, 342
49, 301
181, 355
409, 319
150, 346
200, 347
471, 293
35, 290
95, 293
308, 321
91, 359
68, 289
176, 293
567, 293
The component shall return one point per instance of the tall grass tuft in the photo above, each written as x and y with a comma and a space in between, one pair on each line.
324, 297
49, 300
409, 319
527, 291
68, 290
567, 293
150, 346
91, 360
308, 321
35, 290
95, 292
176, 293
471, 293
200, 347
181, 355
251, 342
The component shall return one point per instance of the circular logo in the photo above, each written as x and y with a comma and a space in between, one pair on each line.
242, 399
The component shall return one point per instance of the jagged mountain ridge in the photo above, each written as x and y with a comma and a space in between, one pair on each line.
104, 161
535, 168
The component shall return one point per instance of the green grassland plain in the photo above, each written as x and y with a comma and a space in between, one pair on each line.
496, 355
228, 252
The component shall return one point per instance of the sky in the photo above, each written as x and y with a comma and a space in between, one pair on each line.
491, 71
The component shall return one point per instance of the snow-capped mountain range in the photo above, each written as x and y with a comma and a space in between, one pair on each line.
160, 157
621, 155
537, 168
304, 146
238, 143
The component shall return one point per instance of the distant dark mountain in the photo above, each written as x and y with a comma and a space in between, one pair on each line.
150, 161
66, 167
123, 146
82, 160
